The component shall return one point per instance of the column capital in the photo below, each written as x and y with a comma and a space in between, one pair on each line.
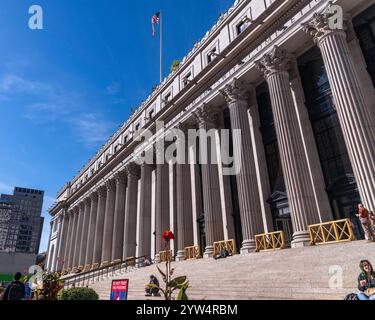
102, 191
322, 24
121, 177
183, 126
110, 184
207, 115
278, 60
94, 196
236, 90
87, 201
132, 169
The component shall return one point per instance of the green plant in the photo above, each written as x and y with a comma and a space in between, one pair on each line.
78, 294
171, 285
51, 286
175, 65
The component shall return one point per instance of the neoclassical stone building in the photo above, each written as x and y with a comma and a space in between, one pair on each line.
302, 93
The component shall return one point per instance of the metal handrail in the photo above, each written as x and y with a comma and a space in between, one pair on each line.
101, 270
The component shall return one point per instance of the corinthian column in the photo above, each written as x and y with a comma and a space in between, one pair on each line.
74, 218
85, 224
91, 229
77, 243
162, 203
62, 241
144, 234
119, 219
184, 199
354, 115
248, 190
68, 239
207, 119
293, 158
98, 241
108, 221
130, 228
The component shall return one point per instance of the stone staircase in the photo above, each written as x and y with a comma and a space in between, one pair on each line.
302, 273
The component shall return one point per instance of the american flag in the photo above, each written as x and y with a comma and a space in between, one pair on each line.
155, 19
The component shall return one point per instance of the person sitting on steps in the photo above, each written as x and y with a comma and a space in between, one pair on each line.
223, 254
152, 289
366, 281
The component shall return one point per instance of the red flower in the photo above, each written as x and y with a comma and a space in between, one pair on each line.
168, 235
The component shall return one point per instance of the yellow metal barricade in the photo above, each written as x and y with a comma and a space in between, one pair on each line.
164, 255
95, 266
331, 232
192, 253
270, 241
229, 245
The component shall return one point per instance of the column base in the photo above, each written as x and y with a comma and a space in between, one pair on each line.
180, 255
208, 252
248, 246
301, 239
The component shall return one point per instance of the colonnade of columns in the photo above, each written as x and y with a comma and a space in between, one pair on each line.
115, 221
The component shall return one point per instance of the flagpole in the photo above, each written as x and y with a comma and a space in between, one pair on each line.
161, 47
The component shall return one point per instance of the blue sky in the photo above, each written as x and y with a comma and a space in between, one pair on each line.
65, 89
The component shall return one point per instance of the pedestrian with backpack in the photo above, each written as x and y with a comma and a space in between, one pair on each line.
16, 289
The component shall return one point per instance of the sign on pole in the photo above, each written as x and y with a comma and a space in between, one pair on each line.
119, 289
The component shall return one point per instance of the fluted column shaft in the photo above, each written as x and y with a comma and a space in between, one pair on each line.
293, 159
85, 226
247, 186
73, 237
162, 205
108, 221
130, 228
62, 242
311, 150
355, 118
207, 119
77, 243
144, 235
98, 241
91, 229
184, 202
119, 218
68, 240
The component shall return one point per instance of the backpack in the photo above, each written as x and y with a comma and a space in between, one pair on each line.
351, 296
16, 291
